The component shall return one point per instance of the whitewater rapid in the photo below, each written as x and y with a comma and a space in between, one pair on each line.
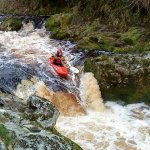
118, 128
108, 126
31, 48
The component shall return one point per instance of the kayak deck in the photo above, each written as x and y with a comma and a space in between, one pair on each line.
60, 70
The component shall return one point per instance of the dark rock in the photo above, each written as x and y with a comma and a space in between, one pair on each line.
32, 128
42, 111
12, 102
11, 76
2, 102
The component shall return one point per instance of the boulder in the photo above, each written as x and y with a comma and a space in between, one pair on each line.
121, 77
29, 124
42, 111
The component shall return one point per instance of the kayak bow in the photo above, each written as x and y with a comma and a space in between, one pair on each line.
60, 70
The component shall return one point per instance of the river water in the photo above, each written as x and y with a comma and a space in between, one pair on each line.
109, 126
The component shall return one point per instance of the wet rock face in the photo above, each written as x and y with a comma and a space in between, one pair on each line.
34, 109
11, 76
44, 112
122, 77
18, 78
38, 141
29, 124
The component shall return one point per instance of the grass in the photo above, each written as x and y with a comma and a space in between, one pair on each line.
4, 135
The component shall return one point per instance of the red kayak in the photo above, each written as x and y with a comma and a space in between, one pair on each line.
60, 70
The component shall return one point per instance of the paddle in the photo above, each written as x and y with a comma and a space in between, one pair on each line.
74, 70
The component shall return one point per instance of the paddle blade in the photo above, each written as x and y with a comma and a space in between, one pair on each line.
74, 70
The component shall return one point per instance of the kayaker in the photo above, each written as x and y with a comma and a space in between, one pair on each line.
58, 58
57, 61
59, 54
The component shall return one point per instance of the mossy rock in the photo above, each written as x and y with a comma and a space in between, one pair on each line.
4, 135
129, 95
140, 47
60, 35
11, 24
121, 77
58, 21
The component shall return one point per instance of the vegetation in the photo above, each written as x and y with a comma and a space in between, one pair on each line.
120, 26
12, 24
4, 135
95, 35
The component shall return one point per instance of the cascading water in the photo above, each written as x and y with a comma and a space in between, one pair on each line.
118, 128
31, 49
24, 63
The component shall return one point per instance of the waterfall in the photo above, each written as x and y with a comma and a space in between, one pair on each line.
90, 93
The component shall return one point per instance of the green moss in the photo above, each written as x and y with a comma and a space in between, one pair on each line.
102, 58
93, 35
52, 24
141, 47
70, 142
4, 135
119, 50
73, 144
12, 24
131, 36
107, 46
128, 94
88, 44
58, 21
60, 35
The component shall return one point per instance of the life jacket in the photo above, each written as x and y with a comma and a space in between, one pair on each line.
57, 61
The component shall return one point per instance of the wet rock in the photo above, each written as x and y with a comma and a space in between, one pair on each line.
1, 102
38, 110
42, 111
121, 77
11, 76
12, 102
42, 141
32, 128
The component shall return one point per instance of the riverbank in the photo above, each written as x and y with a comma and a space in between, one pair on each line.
92, 35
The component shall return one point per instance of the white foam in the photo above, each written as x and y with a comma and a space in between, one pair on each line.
106, 130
